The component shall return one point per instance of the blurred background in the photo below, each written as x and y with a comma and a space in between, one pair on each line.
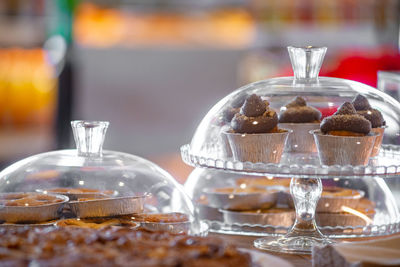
153, 68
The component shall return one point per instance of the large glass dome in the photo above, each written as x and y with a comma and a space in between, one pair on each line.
336, 139
90, 187
209, 147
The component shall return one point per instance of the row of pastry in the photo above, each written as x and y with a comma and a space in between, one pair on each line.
256, 133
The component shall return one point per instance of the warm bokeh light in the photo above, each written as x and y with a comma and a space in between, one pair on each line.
104, 27
27, 88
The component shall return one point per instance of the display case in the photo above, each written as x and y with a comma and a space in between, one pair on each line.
89, 187
244, 149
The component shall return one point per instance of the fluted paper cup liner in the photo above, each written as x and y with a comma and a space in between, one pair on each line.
344, 150
378, 140
226, 147
301, 140
265, 147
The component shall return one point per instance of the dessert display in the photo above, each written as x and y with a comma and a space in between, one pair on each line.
344, 143
378, 124
72, 246
241, 198
345, 138
30, 207
93, 188
301, 119
254, 135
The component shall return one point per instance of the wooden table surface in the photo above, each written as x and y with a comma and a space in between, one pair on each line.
247, 242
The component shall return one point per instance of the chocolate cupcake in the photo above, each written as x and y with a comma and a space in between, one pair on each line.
254, 135
226, 118
297, 111
344, 138
378, 124
346, 122
300, 118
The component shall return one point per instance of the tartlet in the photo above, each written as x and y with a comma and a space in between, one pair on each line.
254, 135
300, 118
378, 124
344, 138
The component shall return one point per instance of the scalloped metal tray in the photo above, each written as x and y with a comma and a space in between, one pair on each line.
386, 165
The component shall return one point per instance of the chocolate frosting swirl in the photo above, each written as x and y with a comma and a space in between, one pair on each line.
364, 109
233, 108
346, 119
297, 111
255, 116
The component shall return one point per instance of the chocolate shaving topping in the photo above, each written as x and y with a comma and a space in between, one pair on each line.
360, 102
297, 102
346, 119
364, 109
253, 106
346, 109
297, 111
255, 116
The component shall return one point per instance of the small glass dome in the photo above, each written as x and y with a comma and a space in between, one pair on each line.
90, 186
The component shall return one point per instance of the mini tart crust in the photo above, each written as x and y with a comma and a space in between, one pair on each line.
96, 223
28, 200
173, 217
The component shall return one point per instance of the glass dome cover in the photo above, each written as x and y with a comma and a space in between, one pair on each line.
217, 145
99, 183
208, 149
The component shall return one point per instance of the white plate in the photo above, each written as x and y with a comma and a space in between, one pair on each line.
261, 259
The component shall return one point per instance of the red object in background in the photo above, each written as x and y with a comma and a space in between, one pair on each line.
363, 65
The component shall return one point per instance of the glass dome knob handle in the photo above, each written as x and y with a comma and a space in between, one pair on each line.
306, 62
89, 137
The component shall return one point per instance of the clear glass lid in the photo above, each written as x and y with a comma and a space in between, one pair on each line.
97, 183
222, 140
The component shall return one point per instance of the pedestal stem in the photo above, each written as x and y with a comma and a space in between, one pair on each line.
305, 193
304, 233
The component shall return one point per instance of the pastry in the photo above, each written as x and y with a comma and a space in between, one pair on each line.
378, 124
28, 199
344, 138
173, 217
346, 122
275, 216
72, 246
227, 115
264, 181
105, 207
297, 111
174, 222
238, 198
233, 108
254, 135
80, 192
300, 118
30, 207
96, 223
333, 199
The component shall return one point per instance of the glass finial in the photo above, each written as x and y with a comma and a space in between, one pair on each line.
306, 61
89, 137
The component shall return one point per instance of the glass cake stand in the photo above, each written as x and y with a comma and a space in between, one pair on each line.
208, 150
